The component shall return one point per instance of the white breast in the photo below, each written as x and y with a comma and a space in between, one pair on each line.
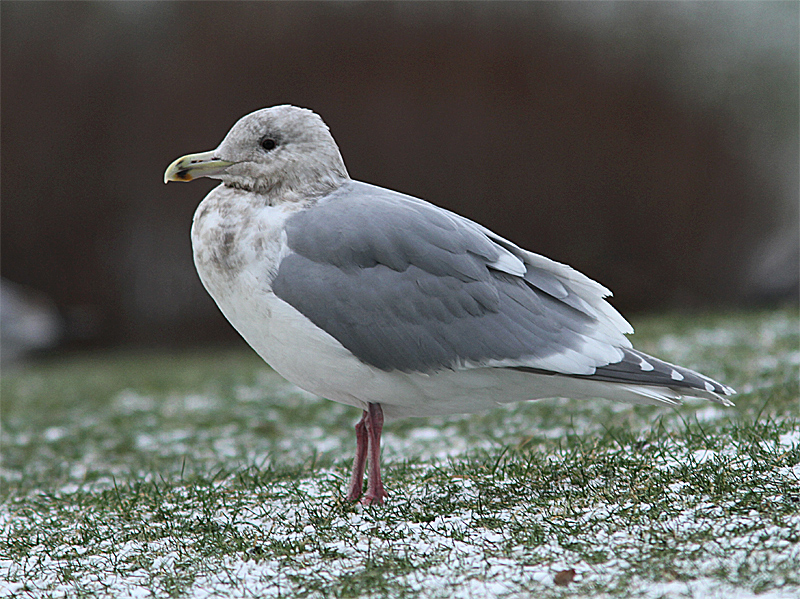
238, 244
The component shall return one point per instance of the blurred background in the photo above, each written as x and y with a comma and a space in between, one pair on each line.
651, 145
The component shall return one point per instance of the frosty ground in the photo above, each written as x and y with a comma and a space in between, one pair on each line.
203, 474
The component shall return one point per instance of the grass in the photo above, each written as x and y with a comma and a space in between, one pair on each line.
203, 474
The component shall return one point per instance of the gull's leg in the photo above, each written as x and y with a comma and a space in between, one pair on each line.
374, 422
357, 477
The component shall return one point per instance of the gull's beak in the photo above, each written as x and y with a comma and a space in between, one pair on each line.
193, 166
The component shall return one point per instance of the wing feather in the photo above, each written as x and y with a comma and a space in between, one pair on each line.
405, 285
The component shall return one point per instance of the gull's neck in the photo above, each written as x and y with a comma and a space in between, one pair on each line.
293, 188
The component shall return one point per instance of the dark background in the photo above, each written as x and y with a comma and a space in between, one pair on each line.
653, 146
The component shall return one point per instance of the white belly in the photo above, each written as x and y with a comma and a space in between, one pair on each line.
313, 360
237, 263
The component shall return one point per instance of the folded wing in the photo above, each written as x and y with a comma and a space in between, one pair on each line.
405, 285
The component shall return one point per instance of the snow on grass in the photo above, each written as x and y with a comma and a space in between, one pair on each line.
461, 553
300, 539
209, 476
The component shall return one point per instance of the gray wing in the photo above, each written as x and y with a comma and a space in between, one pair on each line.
405, 285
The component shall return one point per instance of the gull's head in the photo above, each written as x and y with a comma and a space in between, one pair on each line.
281, 151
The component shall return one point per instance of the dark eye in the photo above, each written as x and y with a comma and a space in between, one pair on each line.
267, 143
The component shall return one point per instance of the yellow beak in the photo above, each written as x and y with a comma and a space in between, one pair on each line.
193, 166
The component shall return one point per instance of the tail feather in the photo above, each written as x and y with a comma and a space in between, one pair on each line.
654, 380
639, 368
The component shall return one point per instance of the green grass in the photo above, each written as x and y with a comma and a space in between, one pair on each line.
203, 474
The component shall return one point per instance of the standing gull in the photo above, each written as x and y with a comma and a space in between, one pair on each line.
385, 302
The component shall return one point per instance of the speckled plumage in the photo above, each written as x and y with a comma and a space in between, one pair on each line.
382, 301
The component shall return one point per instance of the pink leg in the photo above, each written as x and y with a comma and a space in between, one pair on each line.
374, 422
357, 477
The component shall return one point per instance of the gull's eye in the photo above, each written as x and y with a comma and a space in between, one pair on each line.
267, 143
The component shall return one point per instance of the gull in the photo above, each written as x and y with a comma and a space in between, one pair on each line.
393, 305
